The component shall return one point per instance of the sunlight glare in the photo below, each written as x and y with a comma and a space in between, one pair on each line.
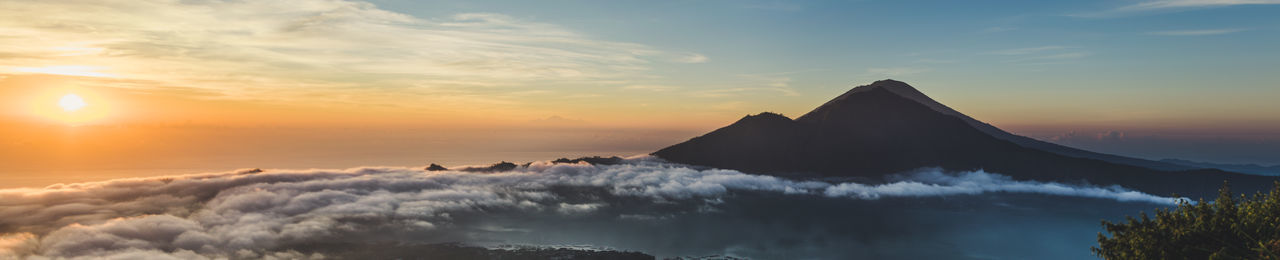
71, 102
73, 107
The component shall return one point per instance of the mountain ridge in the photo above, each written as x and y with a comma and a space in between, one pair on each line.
875, 130
1250, 168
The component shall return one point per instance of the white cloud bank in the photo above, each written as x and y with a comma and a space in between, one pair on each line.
258, 215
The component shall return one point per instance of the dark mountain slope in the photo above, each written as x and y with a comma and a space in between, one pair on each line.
1241, 168
766, 142
904, 90
872, 131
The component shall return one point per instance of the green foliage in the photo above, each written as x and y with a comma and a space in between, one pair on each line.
1229, 228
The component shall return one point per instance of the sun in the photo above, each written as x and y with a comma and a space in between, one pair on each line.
71, 102
73, 108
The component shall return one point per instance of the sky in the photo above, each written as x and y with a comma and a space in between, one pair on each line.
210, 85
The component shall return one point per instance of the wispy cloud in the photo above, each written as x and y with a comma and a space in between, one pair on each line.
1041, 54
692, 58
895, 71
935, 61
1064, 56
1170, 5
83, 71
1167, 4
658, 88
763, 82
251, 48
1026, 51
1197, 32
730, 92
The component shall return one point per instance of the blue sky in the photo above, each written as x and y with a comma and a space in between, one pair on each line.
1172, 74
943, 36
1152, 54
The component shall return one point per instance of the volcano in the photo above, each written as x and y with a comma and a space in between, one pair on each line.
889, 127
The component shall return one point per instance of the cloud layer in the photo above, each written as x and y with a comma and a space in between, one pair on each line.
267, 214
935, 183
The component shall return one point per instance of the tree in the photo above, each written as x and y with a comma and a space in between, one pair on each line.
1228, 228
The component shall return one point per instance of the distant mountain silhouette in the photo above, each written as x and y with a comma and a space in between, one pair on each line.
436, 167
339, 250
593, 160
1242, 168
497, 167
889, 127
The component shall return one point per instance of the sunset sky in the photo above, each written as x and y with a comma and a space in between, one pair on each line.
180, 86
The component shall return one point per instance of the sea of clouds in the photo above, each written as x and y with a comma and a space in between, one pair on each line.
272, 213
